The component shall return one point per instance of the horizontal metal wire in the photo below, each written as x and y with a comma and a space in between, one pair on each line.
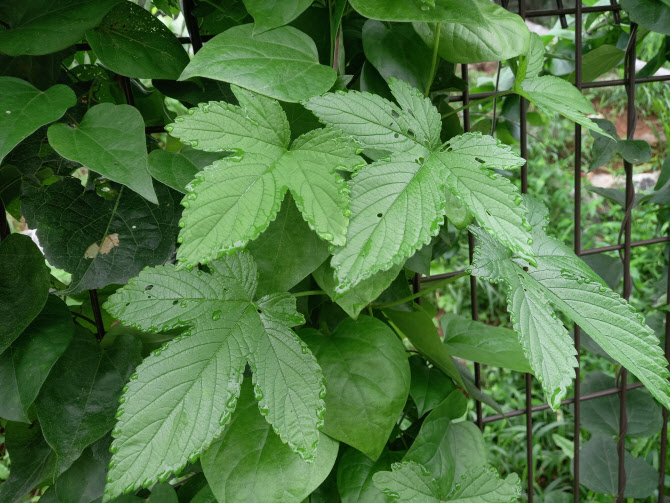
573, 10
544, 406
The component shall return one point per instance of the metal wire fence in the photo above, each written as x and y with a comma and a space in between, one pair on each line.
625, 247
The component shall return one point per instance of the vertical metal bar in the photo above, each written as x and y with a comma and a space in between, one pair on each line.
191, 24
416, 286
4, 225
564, 21
97, 314
617, 16
474, 309
664, 430
578, 249
529, 378
629, 71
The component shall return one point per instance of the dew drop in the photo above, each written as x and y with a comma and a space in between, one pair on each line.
133, 377
216, 315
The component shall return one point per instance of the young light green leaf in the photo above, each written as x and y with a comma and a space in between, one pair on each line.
24, 286
477, 342
176, 414
553, 95
408, 482
546, 342
132, 42
282, 63
24, 366
101, 241
110, 140
485, 486
249, 462
367, 376
43, 26
25, 108
498, 35
397, 207
269, 15
77, 402
564, 280
236, 198
535, 56
412, 129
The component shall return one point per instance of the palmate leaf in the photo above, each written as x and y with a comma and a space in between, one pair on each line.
563, 280
232, 201
398, 203
183, 395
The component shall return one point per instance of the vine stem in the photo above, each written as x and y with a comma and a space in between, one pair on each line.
308, 293
433, 66
477, 102
424, 291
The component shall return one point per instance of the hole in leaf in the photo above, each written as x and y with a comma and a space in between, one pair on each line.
379, 215
409, 110
480, 160
396, 135
395, 114
149, 287
175, 302
410, 133
488, 212
259, 311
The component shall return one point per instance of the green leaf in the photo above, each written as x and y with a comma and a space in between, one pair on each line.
635, 151
163, 493
101, 241
565, 281
553, 95
535, 56
598, 473
465, 437
367, 377
282, 63
358, 297
354, 476
444, 11
496, 35
397, 206
131, 42
604, 147
84, 481
33, 461
485, 486
600, 60
43, 26
236, 198
432, 447
602, 414
269, 15
287, 251
408, 482
419, 329
477, 342
249, 462
177, 169
429, 386
170, 414
24, 366
25, 108
396, 51
24, 286
652, 14
77, 402
412, 129
110, 140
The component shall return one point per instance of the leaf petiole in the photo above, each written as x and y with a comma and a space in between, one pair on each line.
425, 291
